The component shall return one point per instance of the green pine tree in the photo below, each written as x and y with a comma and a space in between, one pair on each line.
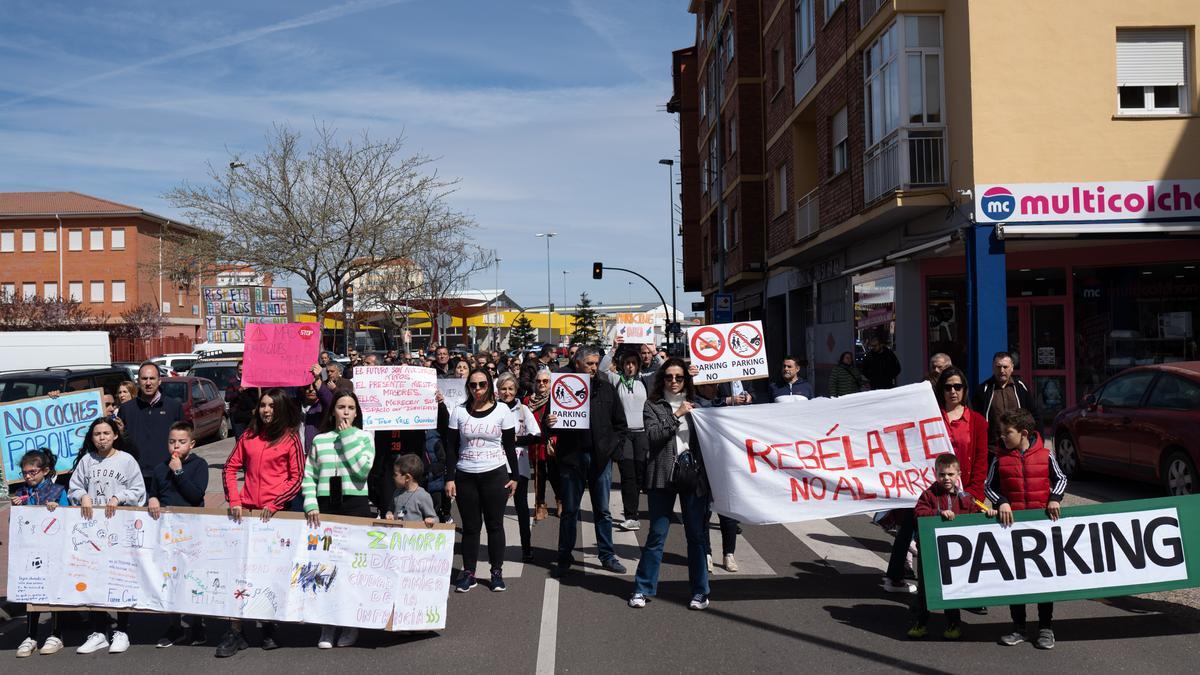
522, 333
586, 332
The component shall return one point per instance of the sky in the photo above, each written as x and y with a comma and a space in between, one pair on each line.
549, 112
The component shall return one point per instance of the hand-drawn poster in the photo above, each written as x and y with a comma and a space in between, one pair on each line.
348, 572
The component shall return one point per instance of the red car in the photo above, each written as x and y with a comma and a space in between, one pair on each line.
203, 405
1139, 424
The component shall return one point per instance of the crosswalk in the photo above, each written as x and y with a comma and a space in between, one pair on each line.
821, 541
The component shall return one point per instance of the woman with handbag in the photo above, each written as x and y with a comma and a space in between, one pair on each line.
541, 454
674, 468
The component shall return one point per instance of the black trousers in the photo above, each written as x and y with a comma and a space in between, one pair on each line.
632, 465
521, 504
729, 527
481, 499
101, 623
547, 470
921, 605
1045, 614
33, 617
351, 505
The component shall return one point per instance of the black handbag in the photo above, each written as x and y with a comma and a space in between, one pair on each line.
685, 475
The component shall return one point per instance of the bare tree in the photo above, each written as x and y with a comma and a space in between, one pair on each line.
445, 268
142, 322
18, 312
328, 213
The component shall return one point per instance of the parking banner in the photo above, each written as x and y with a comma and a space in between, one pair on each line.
1093, 551
570, 400
822, 458
728, 351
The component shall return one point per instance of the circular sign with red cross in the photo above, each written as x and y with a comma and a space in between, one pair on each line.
745, 340
707, 344
570, 392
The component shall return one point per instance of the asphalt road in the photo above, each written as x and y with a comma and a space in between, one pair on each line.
808, 597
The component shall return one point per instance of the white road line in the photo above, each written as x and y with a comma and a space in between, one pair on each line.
548, 633
750, 563
824, 539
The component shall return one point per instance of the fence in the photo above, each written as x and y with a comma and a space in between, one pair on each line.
129, 349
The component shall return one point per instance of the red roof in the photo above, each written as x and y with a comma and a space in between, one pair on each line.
41, 203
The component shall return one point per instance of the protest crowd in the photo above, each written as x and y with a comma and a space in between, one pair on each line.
304, 449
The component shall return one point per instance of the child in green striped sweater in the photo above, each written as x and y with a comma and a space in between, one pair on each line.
335, 474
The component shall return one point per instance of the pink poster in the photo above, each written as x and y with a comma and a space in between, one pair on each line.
280, 354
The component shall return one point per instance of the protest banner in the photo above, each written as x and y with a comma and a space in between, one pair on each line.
728, 351
570, 400
454, 391
280, 354
350, 572
396, 397
58, 424
635, 333
1093, 551
823, 458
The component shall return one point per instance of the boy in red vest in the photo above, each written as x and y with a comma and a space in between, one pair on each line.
1025, 475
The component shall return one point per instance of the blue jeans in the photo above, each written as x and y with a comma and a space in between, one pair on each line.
599, 483
695, 512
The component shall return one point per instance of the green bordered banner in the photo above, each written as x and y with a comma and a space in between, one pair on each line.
1095, 551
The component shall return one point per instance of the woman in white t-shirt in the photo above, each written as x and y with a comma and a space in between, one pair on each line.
481, 474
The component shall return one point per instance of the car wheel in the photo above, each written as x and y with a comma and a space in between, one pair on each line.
1067, 454
223, 429
1179, 474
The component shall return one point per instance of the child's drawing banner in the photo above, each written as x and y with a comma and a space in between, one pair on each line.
349, 572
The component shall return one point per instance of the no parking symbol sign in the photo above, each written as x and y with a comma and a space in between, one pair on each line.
728, 351
570, 400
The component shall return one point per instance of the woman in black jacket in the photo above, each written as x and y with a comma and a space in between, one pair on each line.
674, 468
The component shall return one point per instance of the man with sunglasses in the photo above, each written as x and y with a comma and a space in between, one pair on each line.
585, 460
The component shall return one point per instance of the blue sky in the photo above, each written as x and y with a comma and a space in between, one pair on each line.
549, 111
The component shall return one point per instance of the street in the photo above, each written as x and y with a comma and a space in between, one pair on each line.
806, 594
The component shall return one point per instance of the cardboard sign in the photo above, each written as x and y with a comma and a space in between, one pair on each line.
829, 457
280, 355
635, 333
58, 424
1094, 551
728, 351
349, 572
454, 391
570, 400
396, 397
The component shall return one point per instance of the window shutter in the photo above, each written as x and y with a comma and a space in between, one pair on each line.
1148, 57
839, 125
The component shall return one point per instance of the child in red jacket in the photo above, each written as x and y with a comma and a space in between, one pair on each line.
944, 498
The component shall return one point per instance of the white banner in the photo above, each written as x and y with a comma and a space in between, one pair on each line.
1143, 200
571, 400
350, 572
396, 397
454, 391
728, 351
635, 333
822, 458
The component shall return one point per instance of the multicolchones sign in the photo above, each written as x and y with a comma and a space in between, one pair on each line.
1124, 201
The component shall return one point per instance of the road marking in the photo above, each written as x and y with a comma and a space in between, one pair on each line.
823, 538
625, 544
513, 567
548, 633
750, 562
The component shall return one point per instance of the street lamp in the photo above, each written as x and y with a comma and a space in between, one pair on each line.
565, 273
670, 164
494, 330
549, 318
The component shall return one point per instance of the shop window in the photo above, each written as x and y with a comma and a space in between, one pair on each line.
947, 318
1037, 282
875, 306
832, 298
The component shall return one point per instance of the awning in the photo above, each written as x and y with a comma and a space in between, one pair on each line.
1093, 230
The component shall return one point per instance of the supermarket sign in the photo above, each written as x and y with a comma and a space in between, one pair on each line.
1123, 201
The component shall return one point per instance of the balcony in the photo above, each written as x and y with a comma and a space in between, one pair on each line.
867, 9
906, 158
808, 218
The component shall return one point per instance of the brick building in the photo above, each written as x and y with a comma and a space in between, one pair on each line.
104, 254
847, 165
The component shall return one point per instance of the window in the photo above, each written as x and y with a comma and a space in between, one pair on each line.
726, 46
704, 177
9, 291
118, 291
1174, 393
723, 224
49, 240
881, 95
832, 298
50, 290
7, 242
75, 291
781, 190
29, 240
1152, 71
841, 142
731, 141
118, 238
210, 390
777, 68
831, 7
923, 59
198, 393
1126, 390
74, 240
97, 294
734, 236
805, 21
166, 308
703, 103
96, 240
29, 290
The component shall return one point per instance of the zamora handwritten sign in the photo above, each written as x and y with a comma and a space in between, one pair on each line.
55, 423
349, 572
397, 397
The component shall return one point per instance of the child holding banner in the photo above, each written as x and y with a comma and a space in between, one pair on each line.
37, 470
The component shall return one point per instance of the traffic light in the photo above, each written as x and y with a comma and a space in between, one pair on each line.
597, 270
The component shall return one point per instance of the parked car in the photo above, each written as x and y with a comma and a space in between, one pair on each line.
203, 404
221, 371
134, 367
21, 384
1139, 424
180, 363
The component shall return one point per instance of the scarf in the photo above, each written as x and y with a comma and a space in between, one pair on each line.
627, 382
537, 401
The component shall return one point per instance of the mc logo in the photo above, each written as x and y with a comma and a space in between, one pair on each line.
998, 203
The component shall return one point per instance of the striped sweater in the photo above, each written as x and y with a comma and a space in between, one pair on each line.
348, 454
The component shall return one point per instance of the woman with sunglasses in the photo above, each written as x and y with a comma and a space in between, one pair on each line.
675, 468
968, 430
541, 455
481, 474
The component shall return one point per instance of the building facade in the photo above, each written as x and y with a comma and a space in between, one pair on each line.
887, 128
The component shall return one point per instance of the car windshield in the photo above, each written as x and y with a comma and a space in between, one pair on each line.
222, 375
28, 387
175, 389
181, 365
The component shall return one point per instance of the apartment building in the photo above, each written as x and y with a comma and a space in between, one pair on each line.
104, 254
959, 176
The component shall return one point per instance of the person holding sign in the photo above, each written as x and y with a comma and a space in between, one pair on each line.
631, 454
528, 433
335, 479
545, 468
675, 469
481, 474
37, 470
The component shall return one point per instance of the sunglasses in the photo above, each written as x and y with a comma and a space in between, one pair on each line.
32, 472
543, 381
477, 385
952, 387
673, 378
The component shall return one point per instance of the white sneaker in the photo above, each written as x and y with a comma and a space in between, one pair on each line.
326, 641
698, 602
710, 565
94, 643
52, 645
637, 601
902, 587
730, 563
26, 648
348, 637
631, 525
120, 642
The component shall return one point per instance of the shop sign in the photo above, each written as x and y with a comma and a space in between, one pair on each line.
1119, 201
